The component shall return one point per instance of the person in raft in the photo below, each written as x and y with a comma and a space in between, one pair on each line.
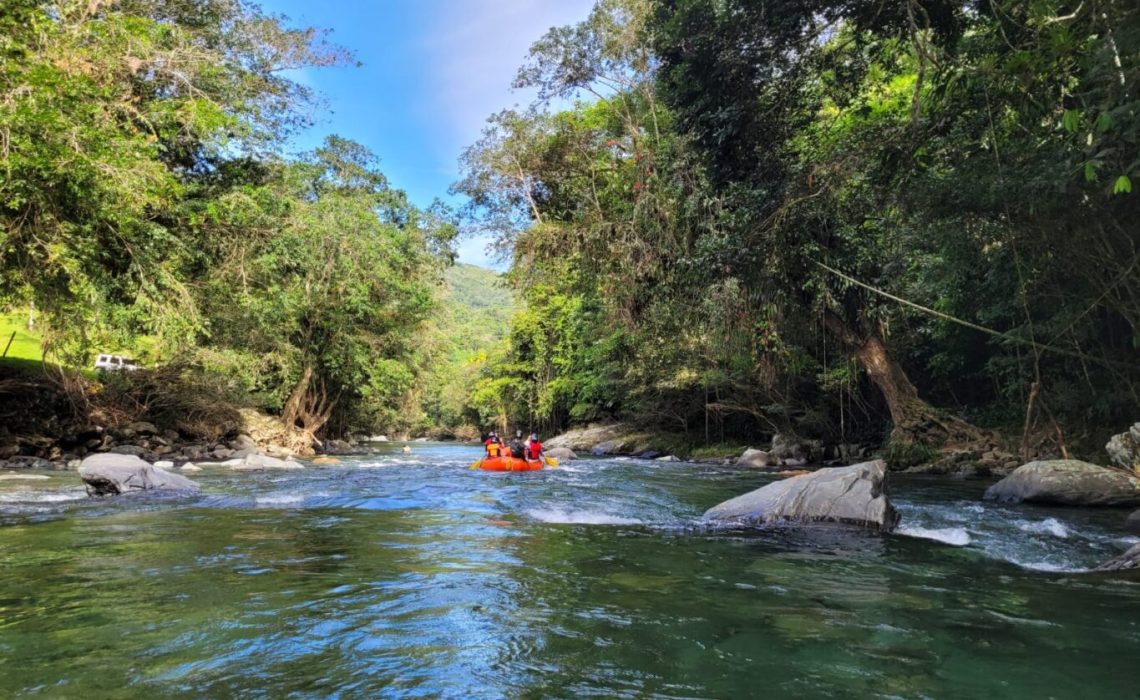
517, 448
494, 445
534, 451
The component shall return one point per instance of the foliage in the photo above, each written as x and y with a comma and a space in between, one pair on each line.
144, 197
678, 231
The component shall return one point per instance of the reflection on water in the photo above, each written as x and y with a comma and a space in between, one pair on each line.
416, 577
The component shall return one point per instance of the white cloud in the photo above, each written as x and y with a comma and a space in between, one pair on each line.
472, 55
476, 50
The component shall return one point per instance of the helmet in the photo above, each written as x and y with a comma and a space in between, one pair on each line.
518, 433
534, 436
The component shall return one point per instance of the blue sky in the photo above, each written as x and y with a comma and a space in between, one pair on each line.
433, 71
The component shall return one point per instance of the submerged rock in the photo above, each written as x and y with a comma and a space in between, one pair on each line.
855, 495
562, 453
755, 458
326, 460
112, 474
263, 462
1066, 482
1128, 560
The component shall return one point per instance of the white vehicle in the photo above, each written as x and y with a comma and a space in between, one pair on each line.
115, 363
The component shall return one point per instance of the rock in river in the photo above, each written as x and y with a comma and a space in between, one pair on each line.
111, 475
1124, 449
755, 458
262, 462
1128, 560
1066, 482
854, 495
562, 453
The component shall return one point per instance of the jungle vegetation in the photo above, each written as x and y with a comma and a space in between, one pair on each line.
877, 221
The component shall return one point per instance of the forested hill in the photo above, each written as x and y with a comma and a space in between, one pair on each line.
480, 306
474, 310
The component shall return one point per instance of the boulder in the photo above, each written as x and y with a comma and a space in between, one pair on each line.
1124, 449
1066, 482
561, 453
669, 458
754, 458
855, 495
164, 465
263, 462
339, 447
191, 468
114, 474
602, 439
326, 460
222, 452
132, 450
1132, 522
195, 453
7, 451
1128, 560
243, 442
650, 454
784, 447
142, 428
278, 451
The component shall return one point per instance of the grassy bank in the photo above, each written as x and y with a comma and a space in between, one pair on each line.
26, 345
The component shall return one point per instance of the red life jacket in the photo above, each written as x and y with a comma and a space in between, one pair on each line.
533, 449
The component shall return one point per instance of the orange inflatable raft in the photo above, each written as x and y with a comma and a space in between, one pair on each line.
509, 464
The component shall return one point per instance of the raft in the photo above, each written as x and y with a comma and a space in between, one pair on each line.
509, 464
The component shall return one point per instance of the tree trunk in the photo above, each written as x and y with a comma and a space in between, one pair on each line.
308, 408
915, 421
292, 411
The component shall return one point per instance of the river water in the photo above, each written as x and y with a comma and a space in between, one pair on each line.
411, 576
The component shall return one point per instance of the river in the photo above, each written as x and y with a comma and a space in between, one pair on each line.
412, 576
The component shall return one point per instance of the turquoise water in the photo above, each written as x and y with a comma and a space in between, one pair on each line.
411, 576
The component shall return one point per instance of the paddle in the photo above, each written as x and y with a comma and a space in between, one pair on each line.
551, 462
477, 464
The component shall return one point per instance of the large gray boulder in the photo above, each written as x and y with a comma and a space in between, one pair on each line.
755, 458
1128, 560
855, 495
1124, 449
1066, 482
112, 474
562, 453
